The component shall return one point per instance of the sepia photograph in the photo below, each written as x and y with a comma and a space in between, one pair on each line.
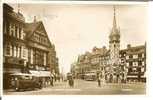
74, 49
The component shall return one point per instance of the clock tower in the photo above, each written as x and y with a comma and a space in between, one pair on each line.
114, 46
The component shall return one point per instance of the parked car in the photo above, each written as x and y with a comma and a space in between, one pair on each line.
90, 76
26, 81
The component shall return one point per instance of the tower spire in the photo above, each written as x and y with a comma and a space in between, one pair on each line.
114, 20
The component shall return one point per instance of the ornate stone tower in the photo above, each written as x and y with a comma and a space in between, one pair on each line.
114, 46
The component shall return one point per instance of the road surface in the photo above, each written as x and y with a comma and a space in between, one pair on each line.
82, 87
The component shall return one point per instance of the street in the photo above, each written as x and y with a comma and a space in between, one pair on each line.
82, 87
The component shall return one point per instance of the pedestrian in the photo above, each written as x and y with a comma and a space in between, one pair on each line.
99, 81
58, 78
71, 81
52, 80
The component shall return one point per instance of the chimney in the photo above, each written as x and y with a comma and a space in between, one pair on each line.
34, 19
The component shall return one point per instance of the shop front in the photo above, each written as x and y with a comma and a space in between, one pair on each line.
43, 75
8, 80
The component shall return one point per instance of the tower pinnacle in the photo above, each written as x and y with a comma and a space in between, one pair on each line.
115, 31
114, 20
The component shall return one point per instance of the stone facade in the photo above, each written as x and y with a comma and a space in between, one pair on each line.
27, 48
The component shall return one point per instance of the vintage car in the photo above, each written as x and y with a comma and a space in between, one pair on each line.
26, 82
90, 76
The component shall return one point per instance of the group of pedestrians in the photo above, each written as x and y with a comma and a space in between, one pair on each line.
70, 80
54, 78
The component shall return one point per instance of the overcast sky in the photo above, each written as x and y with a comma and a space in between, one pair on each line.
75, 29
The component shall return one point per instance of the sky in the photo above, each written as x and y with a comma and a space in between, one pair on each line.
75, 29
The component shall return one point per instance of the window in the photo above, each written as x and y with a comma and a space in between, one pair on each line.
14, 51
130, 63
16, 31
12, 25
24, 52
45, 59
19, 33
142, 55
142, 69
130, 70
135, 63
135, 56
143, 63
135, 69
12, 32
139, 55
127, 64
19, 52
127, 57
23, 35
130, 56
7, 49
139, 63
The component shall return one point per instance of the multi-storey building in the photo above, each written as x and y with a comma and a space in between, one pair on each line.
15, 50
134, 62
27, 48
91, 61
38, 45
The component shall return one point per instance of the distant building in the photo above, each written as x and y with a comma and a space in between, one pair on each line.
27, 48
133, 62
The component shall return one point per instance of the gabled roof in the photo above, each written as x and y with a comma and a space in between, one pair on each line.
29, 28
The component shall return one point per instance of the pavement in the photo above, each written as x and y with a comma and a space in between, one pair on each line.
82, 87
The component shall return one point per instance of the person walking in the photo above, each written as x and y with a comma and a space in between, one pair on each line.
99, 81
71, 81
52, 80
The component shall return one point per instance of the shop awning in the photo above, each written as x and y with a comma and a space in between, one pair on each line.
22, 74
41, 73
45, 73
35, 73
11, 70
